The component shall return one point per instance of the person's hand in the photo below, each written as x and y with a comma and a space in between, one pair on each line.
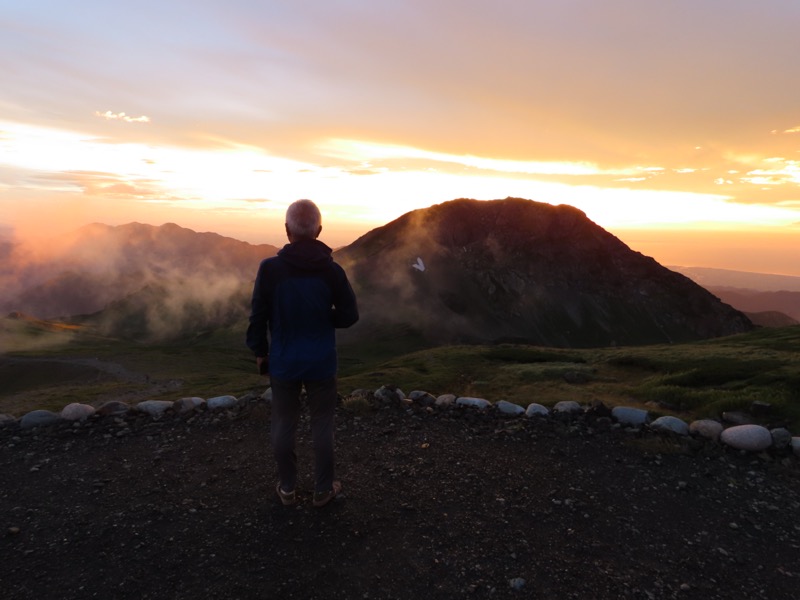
262, 362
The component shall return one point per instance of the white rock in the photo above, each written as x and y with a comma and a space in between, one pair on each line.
781, 438
567, 406
669, 423
753, 438
796, 446
535, 409
187, 404
474, 402
77, 412
39, 418
154, 408
630, 416
509, 408
706, 428
446, 400
267, 395
222, 402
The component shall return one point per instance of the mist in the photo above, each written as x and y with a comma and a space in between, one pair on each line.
134, 281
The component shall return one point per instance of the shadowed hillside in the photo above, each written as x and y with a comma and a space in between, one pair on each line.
476, 271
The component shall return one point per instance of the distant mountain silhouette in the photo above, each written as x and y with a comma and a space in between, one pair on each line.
518, 270
752, 301
144, 280
462, 271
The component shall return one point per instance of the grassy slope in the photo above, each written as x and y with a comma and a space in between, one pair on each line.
688, 380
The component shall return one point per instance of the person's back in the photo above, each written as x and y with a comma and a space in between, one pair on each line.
299, 298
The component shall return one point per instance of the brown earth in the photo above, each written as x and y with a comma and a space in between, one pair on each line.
442, 504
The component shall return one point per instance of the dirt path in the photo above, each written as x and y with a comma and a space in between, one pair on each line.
446, 505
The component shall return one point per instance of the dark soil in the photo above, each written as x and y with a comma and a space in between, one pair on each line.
441, 504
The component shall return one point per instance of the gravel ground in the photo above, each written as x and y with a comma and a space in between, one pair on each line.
442, 504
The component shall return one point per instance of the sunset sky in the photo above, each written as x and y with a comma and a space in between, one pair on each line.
674, 125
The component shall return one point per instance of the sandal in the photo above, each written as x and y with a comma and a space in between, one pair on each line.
287, 498
323, 498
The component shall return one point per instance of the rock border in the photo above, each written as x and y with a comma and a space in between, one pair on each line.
738, 435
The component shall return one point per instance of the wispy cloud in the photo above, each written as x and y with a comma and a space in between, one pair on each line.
111, 116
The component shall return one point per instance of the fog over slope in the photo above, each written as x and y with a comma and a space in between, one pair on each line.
153, 282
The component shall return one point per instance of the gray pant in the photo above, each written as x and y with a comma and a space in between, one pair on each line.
286, 408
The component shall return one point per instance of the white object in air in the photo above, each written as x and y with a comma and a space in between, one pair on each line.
419, 266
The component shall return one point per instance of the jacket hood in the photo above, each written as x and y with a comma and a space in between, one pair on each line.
310, 255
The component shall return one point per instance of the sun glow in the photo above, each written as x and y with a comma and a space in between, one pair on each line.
362, 184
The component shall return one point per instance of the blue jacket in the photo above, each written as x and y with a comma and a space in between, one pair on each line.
300, 296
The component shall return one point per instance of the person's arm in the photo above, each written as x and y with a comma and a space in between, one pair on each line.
345, 307
259, 319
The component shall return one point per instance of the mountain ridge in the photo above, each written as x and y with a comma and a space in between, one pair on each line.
463, 270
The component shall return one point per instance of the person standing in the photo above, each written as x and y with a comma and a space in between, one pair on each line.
299, 299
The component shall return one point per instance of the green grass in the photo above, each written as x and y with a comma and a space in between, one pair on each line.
688, 380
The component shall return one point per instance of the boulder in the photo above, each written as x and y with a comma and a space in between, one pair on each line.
422, 398
509, 408
187, 404
446, 400
7, 420
781, 438
473, 402
39, 418
630, 416
154, 408
220, 402
390, 394
672, 424
77, 412
569, 407
753, 438
707, 429
114, 407
535, 409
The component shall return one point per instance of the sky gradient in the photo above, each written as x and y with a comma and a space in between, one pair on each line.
674, 125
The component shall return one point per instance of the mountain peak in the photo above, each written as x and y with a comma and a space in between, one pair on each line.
516, 269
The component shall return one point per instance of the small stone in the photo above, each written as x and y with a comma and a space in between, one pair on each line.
517, 583
14, 530
781, 438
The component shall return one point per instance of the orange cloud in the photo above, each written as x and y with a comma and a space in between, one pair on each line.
109, 116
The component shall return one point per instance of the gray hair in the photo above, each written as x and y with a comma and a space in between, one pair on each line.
303, 219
